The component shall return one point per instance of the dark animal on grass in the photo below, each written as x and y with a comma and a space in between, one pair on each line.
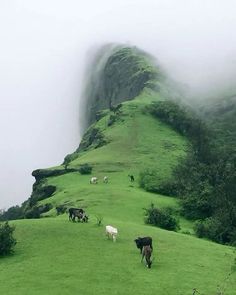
131, 178
75, 212
147, 253
141, 242
83, 217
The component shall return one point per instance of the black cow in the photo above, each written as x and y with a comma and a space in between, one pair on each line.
131, 178
141, 242
83, 218
76, 212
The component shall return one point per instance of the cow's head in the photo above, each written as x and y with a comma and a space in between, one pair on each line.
138, 242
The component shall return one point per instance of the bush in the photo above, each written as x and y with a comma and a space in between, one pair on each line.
196, 206
216, 229
208, 228
99, 218
93, 138
14, 212
7, 241
150, 180
41, 192
35, 212
85, 169
69, 158
112, 120
161, 217
61, 209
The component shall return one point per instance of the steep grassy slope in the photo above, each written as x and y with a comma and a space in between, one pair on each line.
136, 141
55, 256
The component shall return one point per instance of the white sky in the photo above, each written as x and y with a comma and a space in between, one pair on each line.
43, 51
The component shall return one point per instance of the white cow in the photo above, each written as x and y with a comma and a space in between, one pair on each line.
94, 180
111, 232
105, 179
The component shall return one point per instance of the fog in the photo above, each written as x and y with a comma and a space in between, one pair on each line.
44, 49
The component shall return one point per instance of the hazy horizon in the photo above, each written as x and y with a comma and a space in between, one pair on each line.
45, 46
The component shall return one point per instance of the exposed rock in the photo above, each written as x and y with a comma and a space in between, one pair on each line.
44, 173
118, 74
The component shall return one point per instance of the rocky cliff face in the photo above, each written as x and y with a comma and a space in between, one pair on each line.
118, 74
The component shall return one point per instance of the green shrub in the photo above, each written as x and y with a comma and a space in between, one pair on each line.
14, 212
150, 180
186, 232
41, 192
112, 120
7, 241
214, 229
61, 209
208, 228
85, 169
196, 206
161, 217
99, 218
69, 158
93, 138
35, 212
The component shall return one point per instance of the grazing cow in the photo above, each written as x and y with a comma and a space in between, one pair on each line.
147, 253
75, 212
83, 217
131, 178
111, 232
141, 242
105, 179
94, 180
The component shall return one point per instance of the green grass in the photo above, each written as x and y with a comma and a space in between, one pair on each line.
55, 256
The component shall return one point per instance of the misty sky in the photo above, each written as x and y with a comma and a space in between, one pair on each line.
45, 45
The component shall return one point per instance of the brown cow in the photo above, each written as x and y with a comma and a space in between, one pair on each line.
147, 253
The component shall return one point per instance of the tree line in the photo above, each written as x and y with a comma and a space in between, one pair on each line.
205, 181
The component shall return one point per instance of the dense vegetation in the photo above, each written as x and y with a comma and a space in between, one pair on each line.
161, 217
220, 115
7, 241
206, 179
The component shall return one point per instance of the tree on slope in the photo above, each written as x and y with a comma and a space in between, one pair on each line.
7, 241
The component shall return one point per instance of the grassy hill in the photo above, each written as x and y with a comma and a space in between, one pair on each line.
55, 256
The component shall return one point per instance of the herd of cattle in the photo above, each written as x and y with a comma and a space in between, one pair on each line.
94, 179
144, 244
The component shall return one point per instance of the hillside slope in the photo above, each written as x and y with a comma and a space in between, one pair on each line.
136, 141
55, 256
